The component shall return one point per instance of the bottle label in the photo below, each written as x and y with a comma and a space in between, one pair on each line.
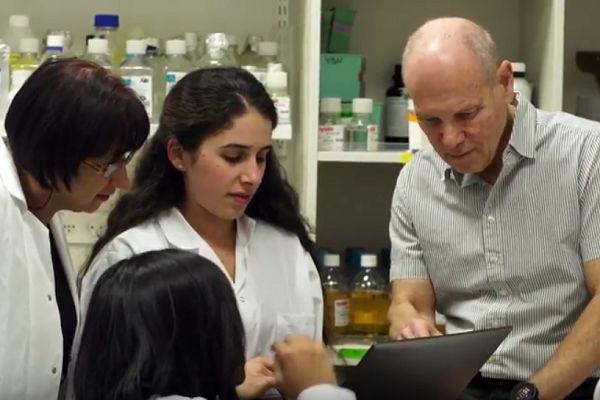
372, 138
341, 313
142, 86
283, 110
172, 78
396, 120
331, 137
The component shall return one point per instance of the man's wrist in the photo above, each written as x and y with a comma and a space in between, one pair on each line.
525, 391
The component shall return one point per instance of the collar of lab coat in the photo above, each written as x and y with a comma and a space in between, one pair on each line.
181, 235
10, 178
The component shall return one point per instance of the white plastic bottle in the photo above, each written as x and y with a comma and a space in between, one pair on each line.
97, 52
18, 28
277, 87
362, 132
192, 51
107, 27
137, 74
29, 58
267, 54
520, 82
216, 54
177, 65
55, 48
331, 129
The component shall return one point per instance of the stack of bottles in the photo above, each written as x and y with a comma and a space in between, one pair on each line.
357, 294
355, 303
348, 130
140, 60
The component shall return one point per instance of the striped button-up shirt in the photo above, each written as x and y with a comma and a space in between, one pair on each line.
511, 253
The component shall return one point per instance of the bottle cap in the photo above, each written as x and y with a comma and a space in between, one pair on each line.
331, 105
268, 49
29, 45
368, 261
362, 106
135, 47
217, 41
97, 46
18, 21
176, 46
191, 40
55, 41
331, 260
106, 21
277, 79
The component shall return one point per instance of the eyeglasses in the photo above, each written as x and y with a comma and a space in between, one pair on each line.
108, 170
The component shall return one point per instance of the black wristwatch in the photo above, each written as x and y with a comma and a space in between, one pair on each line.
524, 391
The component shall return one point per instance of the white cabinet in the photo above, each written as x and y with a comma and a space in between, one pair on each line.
346, 199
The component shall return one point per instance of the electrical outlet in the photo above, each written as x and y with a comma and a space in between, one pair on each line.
281, 148
69, 229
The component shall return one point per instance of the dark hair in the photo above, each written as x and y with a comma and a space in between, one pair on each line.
69, 110
161, 323
202, 104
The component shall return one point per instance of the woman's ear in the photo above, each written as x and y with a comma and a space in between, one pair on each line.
176, 154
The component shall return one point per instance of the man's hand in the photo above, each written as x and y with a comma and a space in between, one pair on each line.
260, 377
416, 328
301, 363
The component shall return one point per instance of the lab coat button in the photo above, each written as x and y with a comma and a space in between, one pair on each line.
242, 299
54, 370
49, 297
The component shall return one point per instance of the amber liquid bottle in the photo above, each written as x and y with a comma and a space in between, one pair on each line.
370, 299
337, 297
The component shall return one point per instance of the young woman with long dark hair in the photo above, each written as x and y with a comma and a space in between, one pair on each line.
209, 182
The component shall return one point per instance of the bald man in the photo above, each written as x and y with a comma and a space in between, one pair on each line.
498, 222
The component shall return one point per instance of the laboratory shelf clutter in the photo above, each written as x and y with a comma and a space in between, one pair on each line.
345, 189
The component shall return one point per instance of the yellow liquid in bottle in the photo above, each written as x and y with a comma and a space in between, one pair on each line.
337, 312
369, 311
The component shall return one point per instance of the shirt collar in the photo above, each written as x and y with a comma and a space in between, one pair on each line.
523, 140
10, 176
181, 235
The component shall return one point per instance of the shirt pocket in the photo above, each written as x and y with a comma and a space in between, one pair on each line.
294, 324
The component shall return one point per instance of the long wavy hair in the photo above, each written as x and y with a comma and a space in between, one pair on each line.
155, 330
202, 104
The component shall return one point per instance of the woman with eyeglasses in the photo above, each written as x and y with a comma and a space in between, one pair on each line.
70, 130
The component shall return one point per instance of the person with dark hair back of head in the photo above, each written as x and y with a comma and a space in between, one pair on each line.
209, 182
161, 336
71, 129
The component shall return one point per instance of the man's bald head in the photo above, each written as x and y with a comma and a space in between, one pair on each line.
451, 36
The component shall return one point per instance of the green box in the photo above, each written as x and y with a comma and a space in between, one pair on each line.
336, 30
341, 76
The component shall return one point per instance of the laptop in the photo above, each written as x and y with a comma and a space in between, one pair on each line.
433, 368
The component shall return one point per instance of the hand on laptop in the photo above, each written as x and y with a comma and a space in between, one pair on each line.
301, 363
416, 328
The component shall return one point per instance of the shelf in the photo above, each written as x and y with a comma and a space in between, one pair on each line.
282, 132
389, 157
391, 153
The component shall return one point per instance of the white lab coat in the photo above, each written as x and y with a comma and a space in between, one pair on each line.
31, 342
277, 284
319, 392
